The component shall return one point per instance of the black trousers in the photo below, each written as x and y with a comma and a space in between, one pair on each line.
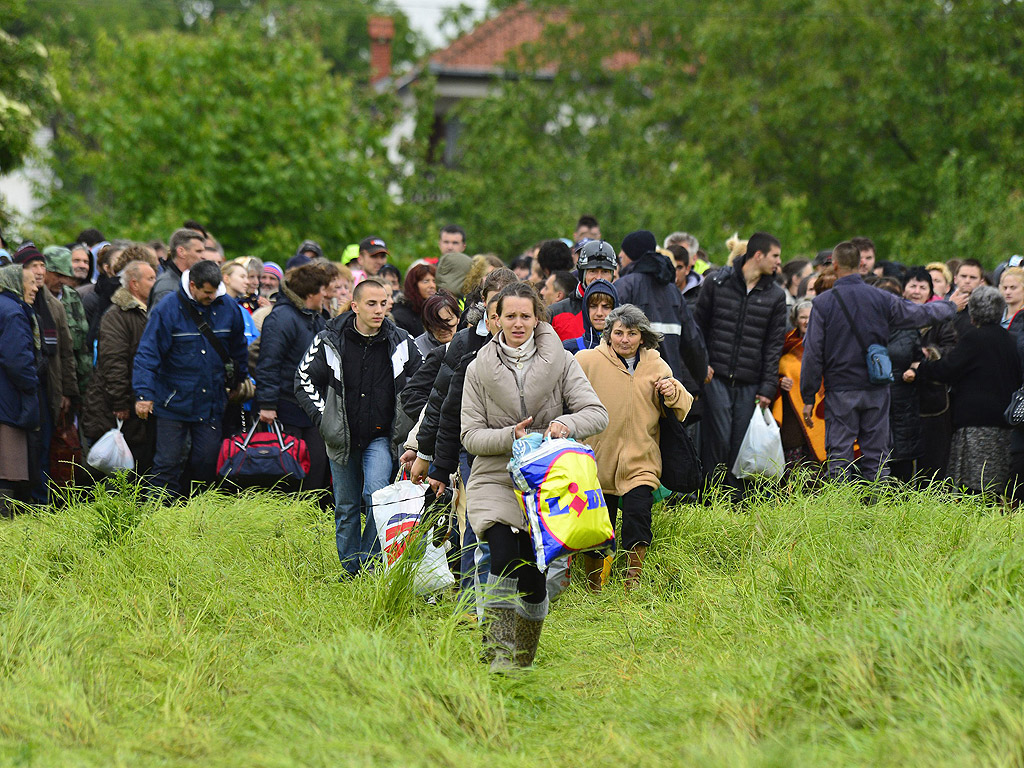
636, 515
512, 556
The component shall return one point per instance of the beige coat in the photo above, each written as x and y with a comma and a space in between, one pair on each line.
491, 408
627, 452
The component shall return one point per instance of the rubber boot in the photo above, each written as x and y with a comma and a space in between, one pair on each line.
499, 626
594, 567
529, 621
635, 566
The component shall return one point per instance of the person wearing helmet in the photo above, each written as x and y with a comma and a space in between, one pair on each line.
596, 261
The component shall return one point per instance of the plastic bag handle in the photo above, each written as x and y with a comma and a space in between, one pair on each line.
120, 423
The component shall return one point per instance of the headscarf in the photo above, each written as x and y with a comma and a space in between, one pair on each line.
11, 281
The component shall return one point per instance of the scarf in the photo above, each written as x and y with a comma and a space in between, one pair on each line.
518, 358
10, 281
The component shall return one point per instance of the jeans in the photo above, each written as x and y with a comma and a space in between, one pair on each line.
860, 416
367, 470
185, 444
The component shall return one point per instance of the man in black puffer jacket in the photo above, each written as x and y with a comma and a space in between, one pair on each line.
741, 312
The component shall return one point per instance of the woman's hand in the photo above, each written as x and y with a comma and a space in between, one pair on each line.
666, 387
557, 429
786, 384
520, 429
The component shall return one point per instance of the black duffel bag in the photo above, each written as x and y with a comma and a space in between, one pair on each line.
681, 470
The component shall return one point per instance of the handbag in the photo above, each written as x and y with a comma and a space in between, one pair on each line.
1014, 413
65, 452
262, 458
681, 470
876, 355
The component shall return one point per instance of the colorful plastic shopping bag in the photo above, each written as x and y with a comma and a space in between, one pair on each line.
558, 491
398, 511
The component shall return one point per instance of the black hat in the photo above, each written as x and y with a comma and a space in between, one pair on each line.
372, 245
28, 253
636, 244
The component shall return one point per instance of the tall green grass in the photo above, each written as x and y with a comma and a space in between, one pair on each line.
801, 630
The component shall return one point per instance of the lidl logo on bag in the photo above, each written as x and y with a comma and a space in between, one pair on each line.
593, 499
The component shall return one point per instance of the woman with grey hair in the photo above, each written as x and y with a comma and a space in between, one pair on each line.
801, 444
631, 380
984, 371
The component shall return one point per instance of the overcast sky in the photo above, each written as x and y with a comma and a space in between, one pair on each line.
425, 14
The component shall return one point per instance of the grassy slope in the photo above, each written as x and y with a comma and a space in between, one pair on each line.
809, 630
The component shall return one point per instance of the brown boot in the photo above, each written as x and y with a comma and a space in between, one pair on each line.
594, 567
635, 565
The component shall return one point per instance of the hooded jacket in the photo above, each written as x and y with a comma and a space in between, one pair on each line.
287, 332
320, 383
554, 388
590, 338
176, 366
19, 380
650, 284
744, 331
567, 314
110, 388
627, 451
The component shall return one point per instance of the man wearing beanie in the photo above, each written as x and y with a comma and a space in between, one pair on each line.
60, 280
270, 280
741, 312
56, 370
648, 280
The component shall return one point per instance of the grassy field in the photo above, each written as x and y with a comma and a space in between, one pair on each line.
805, 630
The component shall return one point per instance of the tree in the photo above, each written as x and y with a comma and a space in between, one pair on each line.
26, 89
249, 133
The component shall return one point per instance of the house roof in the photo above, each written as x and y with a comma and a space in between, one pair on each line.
484, 51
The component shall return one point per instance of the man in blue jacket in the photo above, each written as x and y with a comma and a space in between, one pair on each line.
857, 411
181, 377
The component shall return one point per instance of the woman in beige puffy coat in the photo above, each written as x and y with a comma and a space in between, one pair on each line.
522, 380
630, 377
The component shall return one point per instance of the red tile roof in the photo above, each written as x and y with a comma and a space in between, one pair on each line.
487, 48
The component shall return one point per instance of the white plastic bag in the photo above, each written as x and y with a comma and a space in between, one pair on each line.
397, 510
111, 452
761, 450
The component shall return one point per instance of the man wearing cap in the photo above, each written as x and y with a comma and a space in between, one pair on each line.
742, 313
648, 281
57, 366
454, 263
308, 250
373, 255
595, 261
60, 280
270, 280
187, 246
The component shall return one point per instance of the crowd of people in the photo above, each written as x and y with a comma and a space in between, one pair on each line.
872, 369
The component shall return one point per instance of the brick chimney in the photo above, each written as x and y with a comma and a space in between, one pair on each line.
382, 32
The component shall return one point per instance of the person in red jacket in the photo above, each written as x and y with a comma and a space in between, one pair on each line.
596, 262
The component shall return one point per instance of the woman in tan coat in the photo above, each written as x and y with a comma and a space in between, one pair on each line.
522, 380
630, 377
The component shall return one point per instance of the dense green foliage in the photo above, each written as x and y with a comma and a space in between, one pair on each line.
816, 119
26, 89
804, 630
256, 137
